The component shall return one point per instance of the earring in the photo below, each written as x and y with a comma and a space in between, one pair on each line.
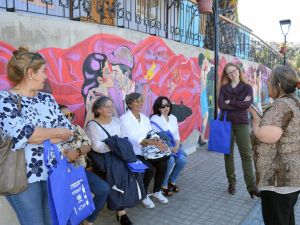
30, 78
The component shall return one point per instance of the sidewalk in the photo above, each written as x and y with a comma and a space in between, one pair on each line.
203, 198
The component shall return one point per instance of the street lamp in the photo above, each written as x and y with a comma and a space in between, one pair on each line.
285, 28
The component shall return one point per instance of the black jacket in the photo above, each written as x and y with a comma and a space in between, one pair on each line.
119, 175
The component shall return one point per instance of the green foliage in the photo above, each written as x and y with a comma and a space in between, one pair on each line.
297, 61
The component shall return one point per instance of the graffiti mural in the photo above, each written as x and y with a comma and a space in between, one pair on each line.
109, 65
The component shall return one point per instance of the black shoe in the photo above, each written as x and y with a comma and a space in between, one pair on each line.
124, 220
255, 192
200, 142
231, 189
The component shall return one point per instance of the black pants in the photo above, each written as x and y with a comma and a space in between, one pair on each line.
278, 209
161, 168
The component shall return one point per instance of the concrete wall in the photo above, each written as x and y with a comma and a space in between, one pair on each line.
57, 39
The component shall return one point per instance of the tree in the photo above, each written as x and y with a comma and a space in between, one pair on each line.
297, 61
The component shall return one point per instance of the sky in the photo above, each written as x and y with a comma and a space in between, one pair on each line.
263, 16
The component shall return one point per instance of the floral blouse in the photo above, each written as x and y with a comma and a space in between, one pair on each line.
80, 139
278, 164
39, 111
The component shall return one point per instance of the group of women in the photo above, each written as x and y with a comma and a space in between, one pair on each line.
275, 139
42, 118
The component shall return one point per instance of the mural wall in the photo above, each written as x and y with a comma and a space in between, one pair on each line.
109, 65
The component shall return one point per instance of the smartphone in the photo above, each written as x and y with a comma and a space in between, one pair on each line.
257, 110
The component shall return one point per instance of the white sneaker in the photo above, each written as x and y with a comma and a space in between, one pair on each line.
147, 202
160, 197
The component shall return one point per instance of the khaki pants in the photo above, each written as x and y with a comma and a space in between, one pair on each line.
241, 133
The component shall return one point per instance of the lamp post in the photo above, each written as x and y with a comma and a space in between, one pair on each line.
285, 28
216, 13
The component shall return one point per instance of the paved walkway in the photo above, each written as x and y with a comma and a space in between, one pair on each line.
203, 198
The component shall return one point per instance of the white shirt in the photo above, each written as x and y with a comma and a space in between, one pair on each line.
97, 134
172, 125
134, 130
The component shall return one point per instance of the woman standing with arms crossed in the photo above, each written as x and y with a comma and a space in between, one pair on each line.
236, 96
40, 119
275, 142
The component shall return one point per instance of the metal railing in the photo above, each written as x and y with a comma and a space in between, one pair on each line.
178, 20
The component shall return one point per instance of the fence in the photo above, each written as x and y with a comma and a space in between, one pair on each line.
178, 20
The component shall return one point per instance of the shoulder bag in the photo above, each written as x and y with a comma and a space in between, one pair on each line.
152, 153
13, 175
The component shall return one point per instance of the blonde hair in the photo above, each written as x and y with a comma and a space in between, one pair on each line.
225, 79
18, 64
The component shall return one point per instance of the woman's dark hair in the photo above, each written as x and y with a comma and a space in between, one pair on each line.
132, 97
91, 70
99, 103
286, 76
200, 60
158, 103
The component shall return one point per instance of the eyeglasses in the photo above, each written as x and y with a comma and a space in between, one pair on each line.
164, 106
70, 114
233, 72
109, 106
36, 54
138, 101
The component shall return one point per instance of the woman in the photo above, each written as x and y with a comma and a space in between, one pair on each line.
75, 150
236, 97
40, 120
103, 109
97, 73
136, 127
203, 99
275, 142
162, 116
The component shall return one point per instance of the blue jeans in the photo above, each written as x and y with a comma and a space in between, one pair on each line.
179, 165
32, 205
100, 189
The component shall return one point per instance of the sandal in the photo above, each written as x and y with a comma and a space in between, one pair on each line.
167, 192
175, 188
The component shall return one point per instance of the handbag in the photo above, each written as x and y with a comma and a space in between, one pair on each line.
220, 135
59, 192
13, 173
152, 153
169, 140
69, 194
137, 167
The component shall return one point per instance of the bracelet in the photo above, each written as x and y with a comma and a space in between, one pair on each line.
78, 151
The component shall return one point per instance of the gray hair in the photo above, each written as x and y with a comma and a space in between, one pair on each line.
99, 103
132, 97
286, 76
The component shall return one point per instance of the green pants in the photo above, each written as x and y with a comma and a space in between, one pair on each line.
241, 133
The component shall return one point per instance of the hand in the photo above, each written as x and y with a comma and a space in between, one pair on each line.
71, 154
162, 147
157, 141
227, 102
248, 98
174, 150
64, 133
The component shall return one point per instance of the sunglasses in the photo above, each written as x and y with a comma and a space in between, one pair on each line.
70, 114
164, 106
138, 101
36, 54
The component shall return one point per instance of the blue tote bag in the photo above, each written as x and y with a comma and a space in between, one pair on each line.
220, 135
83, 202
59, 193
